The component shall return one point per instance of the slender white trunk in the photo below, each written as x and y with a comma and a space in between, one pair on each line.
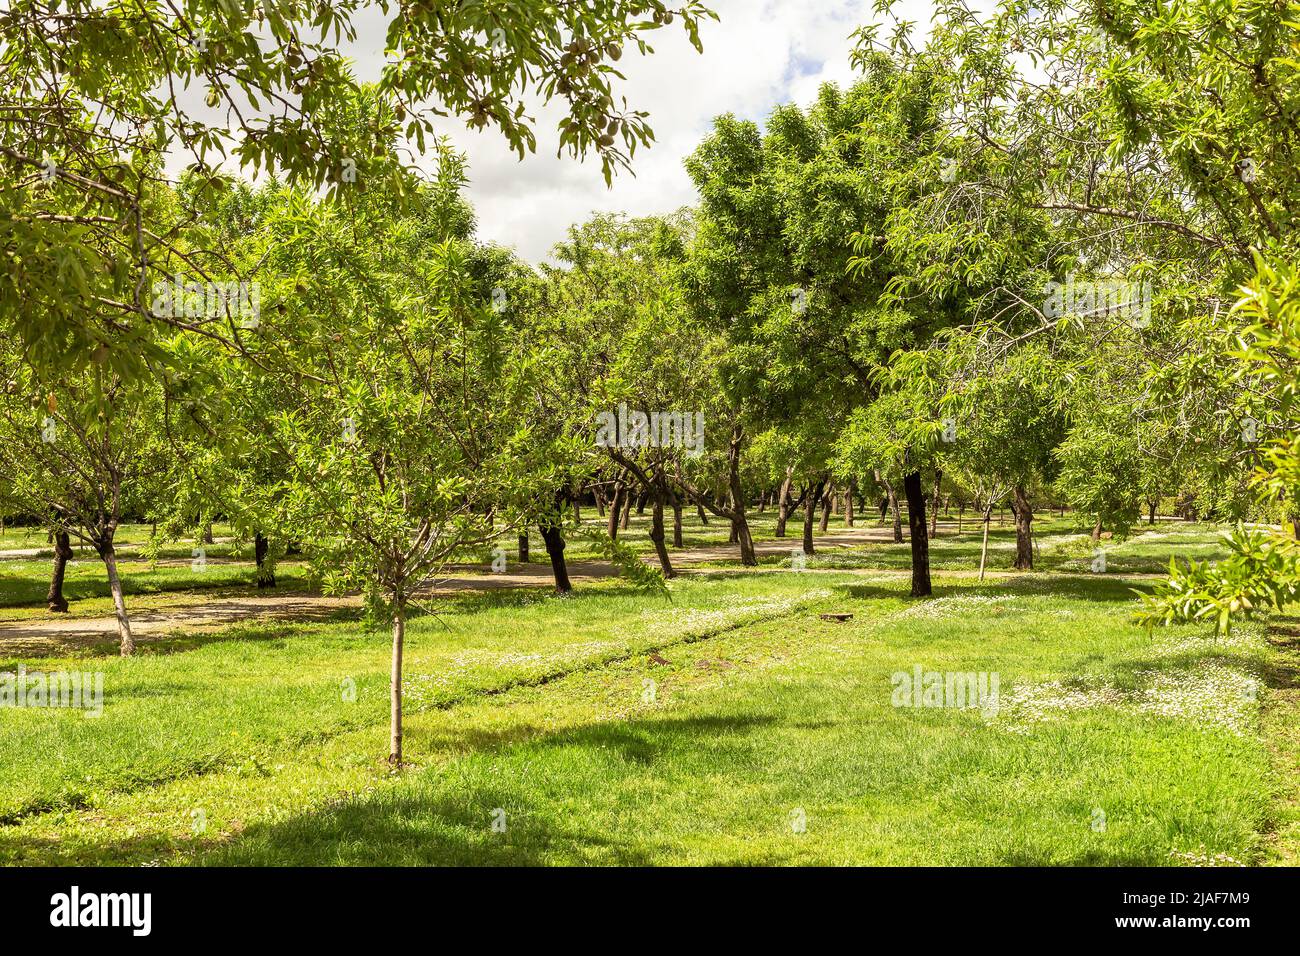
119, 605
984, 549
395, 736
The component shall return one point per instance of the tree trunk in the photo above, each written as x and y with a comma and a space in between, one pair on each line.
265, 577
783, 505
747, 556
917, 530
1024, 530
677, 521
555, 551
1151, 515
1096, 530
891, 497
207, 534
704, 518
984, 548
627, 510
809, 513
615, 510
848, 503
523, 548
640, 504
934, 503
395, 688
657, 532
119, 605
62, 555
827, 500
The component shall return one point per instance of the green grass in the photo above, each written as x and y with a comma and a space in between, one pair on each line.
259, 688
24, 585
1063, 545
128, 536
238, 748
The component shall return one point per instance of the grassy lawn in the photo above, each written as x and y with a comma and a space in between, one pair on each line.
767, 736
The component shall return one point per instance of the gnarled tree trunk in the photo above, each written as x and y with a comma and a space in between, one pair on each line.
657, 529
265, 576
554, 541
55, 600
615, 509
783, 505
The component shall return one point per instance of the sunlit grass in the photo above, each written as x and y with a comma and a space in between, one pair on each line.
541, 707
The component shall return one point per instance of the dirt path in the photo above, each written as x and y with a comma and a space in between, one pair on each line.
56, 634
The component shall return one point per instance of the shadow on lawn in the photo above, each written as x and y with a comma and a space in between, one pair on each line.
425, 824
1101, 588
476, 602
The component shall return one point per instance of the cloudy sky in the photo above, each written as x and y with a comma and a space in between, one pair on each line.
762, 53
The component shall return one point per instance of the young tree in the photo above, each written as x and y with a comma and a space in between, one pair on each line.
409, 437
85, 447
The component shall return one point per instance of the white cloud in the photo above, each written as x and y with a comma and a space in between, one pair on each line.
762, 53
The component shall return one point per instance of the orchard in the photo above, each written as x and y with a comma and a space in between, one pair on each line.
972, 375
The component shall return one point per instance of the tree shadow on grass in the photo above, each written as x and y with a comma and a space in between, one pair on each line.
477, 602
1272, 673
443, 815
1098, 588
1087, 857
